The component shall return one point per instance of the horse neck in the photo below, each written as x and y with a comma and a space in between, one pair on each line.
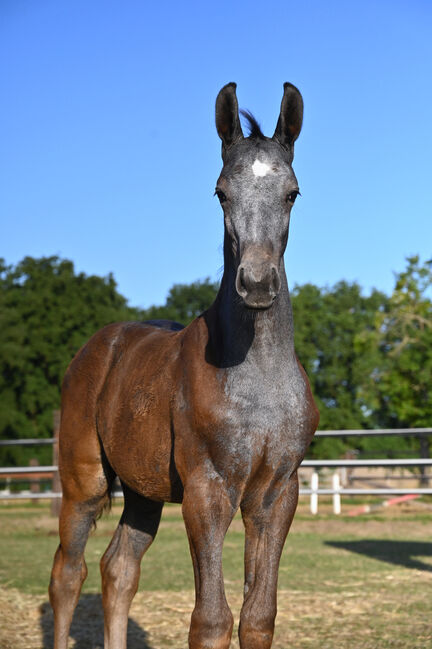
237, 332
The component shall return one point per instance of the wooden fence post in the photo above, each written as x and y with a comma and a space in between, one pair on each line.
56, 484
35, 481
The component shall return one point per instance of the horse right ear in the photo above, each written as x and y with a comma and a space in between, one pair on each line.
291, 117
227, 116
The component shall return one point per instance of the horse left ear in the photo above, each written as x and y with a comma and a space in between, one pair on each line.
291, 116
227, 116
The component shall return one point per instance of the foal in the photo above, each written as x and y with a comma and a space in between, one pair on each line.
217, 416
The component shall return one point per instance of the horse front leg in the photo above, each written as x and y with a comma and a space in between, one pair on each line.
207, 512
267, 516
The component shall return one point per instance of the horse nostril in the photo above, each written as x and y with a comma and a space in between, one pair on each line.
275, 280
240, 282
258, 284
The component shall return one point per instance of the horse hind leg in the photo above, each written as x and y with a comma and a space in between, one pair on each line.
120, 565
86, 490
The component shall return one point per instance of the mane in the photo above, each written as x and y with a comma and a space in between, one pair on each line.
252, 125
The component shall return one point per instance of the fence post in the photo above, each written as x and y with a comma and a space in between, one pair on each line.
424, 453
314, 494
35, 481
336, 496
56, 484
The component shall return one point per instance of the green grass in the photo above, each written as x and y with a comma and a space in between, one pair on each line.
350, 583
28, 540
325, 548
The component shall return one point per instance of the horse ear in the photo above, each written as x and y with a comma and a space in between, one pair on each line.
291, 116
227, 116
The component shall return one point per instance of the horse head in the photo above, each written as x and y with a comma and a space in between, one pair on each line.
257, 188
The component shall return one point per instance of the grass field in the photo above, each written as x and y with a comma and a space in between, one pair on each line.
357, 583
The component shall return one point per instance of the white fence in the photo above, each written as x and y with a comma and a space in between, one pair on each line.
314, 490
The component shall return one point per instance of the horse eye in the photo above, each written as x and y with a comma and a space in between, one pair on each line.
292, 196
221, 196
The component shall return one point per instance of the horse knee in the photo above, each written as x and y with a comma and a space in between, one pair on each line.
211, 627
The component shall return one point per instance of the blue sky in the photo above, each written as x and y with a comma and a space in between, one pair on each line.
109, 154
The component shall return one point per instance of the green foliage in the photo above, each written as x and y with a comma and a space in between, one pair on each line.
327, 322
185, 302
400, 345
46, 313
398, 354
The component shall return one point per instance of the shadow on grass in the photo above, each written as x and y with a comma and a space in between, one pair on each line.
87, 626
400, 553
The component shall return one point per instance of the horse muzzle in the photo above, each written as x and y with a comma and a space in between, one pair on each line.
258, 282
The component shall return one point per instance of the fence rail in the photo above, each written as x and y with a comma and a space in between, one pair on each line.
406, 432
306, 463
358, 462
51, 495
17, 470
27, 442
336, 491
384, 491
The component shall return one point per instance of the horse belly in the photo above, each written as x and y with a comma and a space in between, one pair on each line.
134, 424
141, 456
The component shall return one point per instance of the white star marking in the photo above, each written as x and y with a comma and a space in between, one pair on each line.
260, 168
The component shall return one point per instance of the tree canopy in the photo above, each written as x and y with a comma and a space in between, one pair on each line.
47, 311
327, 322
184, 302
396, 385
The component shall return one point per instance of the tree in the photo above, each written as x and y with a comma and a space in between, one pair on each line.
47, 312
327, 322
398, 387
185, 302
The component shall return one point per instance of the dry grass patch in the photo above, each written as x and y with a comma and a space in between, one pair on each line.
363, 583
348, 619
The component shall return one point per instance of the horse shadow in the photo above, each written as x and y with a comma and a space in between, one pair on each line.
87, 626
400, 553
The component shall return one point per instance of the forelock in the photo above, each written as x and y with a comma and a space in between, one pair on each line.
252, 125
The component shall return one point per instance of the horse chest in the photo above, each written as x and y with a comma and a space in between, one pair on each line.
261, 417
272, 399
